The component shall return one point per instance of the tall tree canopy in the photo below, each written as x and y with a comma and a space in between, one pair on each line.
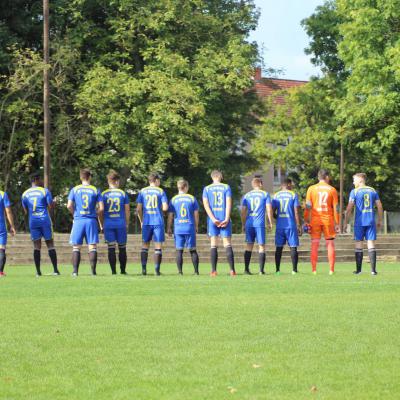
356, 101
137, 85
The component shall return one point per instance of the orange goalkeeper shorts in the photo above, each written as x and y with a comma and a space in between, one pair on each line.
327, 230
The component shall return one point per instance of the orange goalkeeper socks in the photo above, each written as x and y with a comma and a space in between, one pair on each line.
314, 253
330, 245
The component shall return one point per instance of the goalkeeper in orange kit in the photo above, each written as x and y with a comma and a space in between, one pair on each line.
322, 215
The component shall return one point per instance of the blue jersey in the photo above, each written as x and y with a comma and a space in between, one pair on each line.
114, 207
183, 206
364, 199
4, 203
285, 202
256, 202
217, 194
152, 198
85, 198
37, 200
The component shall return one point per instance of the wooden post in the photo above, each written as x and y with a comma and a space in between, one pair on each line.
46, 95
341, 186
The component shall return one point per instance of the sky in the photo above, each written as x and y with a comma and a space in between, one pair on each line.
282, 39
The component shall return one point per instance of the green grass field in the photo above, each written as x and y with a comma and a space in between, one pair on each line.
171, 337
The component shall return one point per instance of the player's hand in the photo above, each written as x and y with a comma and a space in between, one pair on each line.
270, 227
224, 223
299, 230
197, 229
379, 225
337, 228
169, 232
12, 231
216, 222
243, 229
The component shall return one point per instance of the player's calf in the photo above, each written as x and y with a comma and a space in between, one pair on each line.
195, 260
144, 254
278, 258
247, 258
122, 258
76, 259
157, 259
93, 258
3, 259
294, 255
112, 257
53, 256
179, 260
37, 245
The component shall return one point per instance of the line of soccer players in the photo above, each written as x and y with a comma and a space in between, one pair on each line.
110, 211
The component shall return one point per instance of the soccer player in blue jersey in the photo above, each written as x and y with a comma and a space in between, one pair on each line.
217, 201
364, 199
288, 227
5, 211
183, 212
115, 221
152, 202
83, 203
256, 205
37, 203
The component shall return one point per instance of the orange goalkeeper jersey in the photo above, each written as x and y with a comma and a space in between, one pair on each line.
322, 202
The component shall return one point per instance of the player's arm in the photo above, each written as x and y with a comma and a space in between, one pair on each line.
309, 204
228, 210
297, 219
100, 217
127, 215
71, 206
196, 220
380, 213
169, 223
347, 215
10, 219
269, 214
139, 211
243, 216
210, 214
336, 214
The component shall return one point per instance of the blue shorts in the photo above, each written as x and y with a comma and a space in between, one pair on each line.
289, 236
183, 240
153, 232
85, 228
44, 231
255, 233
115, 234
365, 232
3, 237
213, 230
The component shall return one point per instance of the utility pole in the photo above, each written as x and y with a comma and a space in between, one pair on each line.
341, 183
46, 95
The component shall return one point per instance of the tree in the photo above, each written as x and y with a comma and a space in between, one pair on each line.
356, 102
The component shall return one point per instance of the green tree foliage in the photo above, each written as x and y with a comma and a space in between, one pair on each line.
356, 102
136, 86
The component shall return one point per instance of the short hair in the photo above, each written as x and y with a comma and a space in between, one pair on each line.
153, 177
257, 181
85, 173
113, 176
216, 174
182, 184
361, 175
286, 182
322, 174
36, 176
